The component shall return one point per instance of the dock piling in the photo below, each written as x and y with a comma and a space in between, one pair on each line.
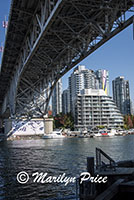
87, 189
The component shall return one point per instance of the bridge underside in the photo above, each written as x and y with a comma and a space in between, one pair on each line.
45, 39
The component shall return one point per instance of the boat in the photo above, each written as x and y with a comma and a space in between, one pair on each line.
105, 133
54, 135
122, 133
112, 132
101, 133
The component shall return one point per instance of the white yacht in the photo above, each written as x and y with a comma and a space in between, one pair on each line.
54, 135
104, 133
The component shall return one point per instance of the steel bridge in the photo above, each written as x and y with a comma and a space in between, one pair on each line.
45, 39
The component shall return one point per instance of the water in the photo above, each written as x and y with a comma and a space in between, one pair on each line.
54, 157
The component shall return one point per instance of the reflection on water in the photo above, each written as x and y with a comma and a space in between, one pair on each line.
54, 157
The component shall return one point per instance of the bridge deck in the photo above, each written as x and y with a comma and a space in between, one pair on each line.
21, 14
45, 39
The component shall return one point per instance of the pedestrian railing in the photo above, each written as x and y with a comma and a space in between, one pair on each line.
104, 161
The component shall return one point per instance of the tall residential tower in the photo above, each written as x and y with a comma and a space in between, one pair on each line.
57, 98
80, 79
66, 101
121, 95
103, 78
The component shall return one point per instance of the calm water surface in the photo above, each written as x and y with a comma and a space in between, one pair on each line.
54, 157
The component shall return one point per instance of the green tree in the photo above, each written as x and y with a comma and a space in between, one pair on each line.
64, 121
130, 124
100, 126
125, 127
128, 121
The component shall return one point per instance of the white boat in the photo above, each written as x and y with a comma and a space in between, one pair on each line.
104, 133
113, 132
121, 133
54, 135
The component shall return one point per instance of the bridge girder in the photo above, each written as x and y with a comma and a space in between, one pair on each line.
60, 33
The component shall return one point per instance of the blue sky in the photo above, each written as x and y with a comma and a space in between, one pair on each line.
4, 11
117, 55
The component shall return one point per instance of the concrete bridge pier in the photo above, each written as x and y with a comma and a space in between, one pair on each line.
48, 125
7, 126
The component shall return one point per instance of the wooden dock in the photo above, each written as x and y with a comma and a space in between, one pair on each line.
120, 179
121, 171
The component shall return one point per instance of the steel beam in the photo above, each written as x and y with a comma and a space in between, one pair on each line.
60, 34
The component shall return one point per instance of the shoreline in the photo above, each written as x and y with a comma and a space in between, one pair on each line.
34, 137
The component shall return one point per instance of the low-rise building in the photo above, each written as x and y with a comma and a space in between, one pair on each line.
94, 108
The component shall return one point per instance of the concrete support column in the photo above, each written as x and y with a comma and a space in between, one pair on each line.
7, 126
48, 125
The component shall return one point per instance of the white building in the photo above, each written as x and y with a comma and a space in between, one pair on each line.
57, 98
80, 79
94, 108
66, 101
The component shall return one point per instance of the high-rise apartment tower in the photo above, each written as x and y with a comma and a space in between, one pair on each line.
121, 95
57, 98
